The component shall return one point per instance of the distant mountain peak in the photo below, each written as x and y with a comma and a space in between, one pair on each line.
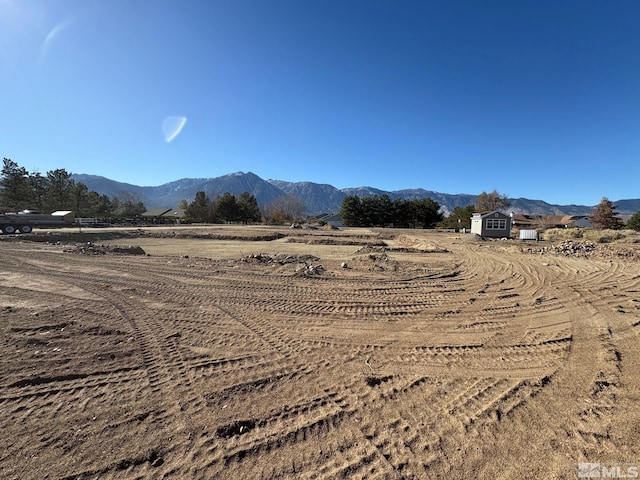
318, 198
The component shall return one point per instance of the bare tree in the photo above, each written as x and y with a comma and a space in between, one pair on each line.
488, 202
285, 209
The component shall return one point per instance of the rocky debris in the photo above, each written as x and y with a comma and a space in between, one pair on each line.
311, 269
569, 248
373, 249
374, 381
472, 238
93, 249
279, 258
239, 427
379, 258
306, 265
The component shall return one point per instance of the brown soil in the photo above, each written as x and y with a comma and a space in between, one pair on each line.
236, 353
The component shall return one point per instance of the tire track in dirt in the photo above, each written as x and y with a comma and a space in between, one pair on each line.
244, 372
167, 377
588, 352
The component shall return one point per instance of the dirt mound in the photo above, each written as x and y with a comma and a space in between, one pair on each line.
335, 241
92, 249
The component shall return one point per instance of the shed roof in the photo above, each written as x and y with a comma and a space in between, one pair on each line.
487, 214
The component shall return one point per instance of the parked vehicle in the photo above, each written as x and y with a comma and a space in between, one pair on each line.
25, 220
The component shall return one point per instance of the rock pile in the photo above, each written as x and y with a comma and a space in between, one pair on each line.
569, 248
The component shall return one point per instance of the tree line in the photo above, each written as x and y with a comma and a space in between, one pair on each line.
225, 208
381, 211
228, 209
21, 189
56, 190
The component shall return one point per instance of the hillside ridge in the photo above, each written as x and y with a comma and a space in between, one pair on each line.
318, 198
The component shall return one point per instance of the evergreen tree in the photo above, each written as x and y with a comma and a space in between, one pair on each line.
80, 195
98, 205
459, 218
15, 193
351, 211
249, 211
20, 189
201, 210
59, 194
227, 209
604, 215
38, 185
379, 210
427, 212
634, 222
403, 214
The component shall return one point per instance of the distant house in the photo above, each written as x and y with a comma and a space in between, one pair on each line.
175, 215
491, 224
333, 219
164, 215
549, 221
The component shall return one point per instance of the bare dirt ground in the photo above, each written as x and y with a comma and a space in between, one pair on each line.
257, 353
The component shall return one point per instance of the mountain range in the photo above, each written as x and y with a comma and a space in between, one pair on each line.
318, 198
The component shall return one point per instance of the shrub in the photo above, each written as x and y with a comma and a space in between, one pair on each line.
553, 234
603, 236
587, 234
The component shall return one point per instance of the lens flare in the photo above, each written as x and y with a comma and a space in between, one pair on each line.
172, 126
52, 36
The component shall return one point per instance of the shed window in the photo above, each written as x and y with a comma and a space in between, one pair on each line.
496, 224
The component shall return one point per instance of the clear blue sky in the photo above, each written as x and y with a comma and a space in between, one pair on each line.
535, 99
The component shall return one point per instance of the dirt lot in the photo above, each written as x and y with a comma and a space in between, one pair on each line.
265, 353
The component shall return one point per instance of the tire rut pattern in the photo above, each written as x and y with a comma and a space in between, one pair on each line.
375, 376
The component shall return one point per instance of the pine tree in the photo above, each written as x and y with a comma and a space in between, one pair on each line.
249, 210
201, 210
604, 215
634, 222
15, 193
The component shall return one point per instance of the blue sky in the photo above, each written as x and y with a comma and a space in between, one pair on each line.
535, 99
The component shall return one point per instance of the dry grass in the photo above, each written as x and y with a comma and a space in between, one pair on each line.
589, 234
